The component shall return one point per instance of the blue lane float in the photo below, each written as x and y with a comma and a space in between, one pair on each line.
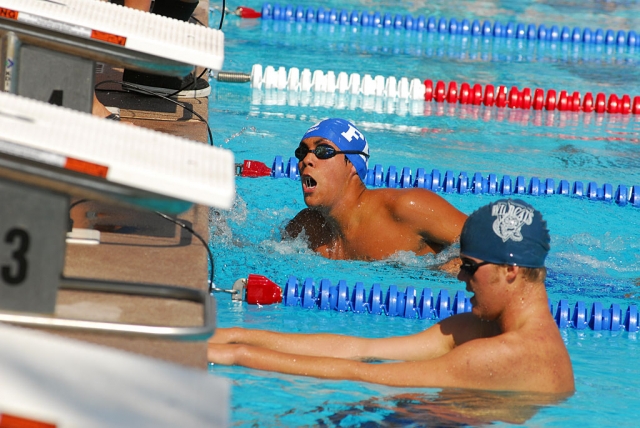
408, 22
527, 52
429, 305
478, 184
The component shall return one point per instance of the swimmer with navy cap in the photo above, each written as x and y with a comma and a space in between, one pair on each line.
347, 220
509, 340
507, 233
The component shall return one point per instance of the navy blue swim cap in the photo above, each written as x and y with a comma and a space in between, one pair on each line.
507, 231
346, 136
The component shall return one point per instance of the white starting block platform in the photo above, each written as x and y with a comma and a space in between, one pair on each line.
82, 154
111, 24
67, 37
49, 381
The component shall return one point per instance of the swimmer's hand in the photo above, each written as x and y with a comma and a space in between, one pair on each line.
223, 354
452, 267
223, 335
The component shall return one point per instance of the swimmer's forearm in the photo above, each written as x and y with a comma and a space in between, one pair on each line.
426, 345
301, 365
405, 374
329, 345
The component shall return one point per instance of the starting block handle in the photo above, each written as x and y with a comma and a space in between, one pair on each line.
149, 290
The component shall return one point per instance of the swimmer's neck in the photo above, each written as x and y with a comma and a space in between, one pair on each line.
531, 301
348, 212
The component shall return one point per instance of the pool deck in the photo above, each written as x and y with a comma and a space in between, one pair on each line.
139, 246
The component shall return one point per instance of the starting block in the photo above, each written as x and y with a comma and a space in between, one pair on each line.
47, 155
67, 37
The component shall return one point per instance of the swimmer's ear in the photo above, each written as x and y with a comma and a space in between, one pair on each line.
353, 168
511, 272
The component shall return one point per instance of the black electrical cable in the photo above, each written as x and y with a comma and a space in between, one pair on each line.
164, 97
78, 202
193, 18
167, 97
187, 86
224, 7
206, 246
184, 226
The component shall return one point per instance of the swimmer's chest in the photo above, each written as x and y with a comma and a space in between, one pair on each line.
380, 238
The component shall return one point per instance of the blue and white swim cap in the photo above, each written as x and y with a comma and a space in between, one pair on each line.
507, 231
346, 136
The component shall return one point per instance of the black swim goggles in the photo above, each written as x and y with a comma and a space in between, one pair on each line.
324, 151
470, 267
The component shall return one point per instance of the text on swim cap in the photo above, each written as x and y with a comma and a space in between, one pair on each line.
510, 218
352, 132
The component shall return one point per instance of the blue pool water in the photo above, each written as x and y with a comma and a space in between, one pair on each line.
595, 252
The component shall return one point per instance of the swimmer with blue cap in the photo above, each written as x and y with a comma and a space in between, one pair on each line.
345, 219
508, 233
508, 342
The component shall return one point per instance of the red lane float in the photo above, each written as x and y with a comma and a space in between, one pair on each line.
251, 168
488, 96
465, 93
501, 97
551, 100
613, 106
477, 94
625, 104
575, 106
515, 98
428, 90
260, 290
525, 99
563, 101
247, 13
587, 104
440, 95
452, 94
636, 105
600, 103
538, 99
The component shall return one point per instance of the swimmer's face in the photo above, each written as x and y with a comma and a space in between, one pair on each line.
322, 179
481, 279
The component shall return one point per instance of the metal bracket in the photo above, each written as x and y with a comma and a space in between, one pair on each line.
239, 287
150, 290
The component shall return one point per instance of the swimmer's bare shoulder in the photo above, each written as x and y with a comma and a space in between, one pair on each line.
439, 222
314, 226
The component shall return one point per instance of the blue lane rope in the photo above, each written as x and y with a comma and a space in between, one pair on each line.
478, 184
517, 53
452, 26
410, 304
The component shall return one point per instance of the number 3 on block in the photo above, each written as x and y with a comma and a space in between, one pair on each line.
15, 272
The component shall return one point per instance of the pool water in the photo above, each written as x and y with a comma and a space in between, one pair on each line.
595, 247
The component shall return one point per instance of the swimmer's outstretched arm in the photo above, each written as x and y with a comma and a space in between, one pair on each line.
393, 374
425, 345
496, 363
464, 368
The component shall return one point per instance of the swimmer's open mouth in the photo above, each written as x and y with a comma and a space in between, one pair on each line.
308, 182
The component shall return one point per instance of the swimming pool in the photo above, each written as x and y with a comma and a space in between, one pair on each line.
595, 255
